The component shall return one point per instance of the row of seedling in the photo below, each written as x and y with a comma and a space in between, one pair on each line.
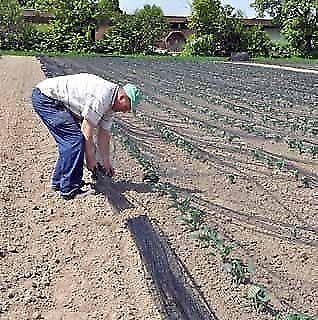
295, 124
202, 125
251, 128
208, 237
247, 126
282, 165
241, 273
274, 162
150, 172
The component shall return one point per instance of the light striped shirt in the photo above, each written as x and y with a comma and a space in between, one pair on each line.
86, 95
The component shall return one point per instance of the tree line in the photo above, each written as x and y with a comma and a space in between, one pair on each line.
217, 29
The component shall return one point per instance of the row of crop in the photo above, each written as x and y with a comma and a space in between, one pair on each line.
208, 237
301, 123
172, 137
290, 232
205, 84
302, 145
218, 77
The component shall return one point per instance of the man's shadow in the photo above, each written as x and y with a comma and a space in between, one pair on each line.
113, 190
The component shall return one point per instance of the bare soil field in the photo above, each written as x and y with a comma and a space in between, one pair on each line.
59, 259
235, 149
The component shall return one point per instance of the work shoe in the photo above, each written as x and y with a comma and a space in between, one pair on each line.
79, 194
56, 187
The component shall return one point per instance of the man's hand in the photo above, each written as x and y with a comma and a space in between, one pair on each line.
91, 164
109, 170
103, 140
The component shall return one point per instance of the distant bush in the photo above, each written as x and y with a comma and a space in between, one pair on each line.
280, 50
11, 24
205, 45
256, 42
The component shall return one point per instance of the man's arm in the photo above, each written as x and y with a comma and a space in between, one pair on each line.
103, 141
88, 132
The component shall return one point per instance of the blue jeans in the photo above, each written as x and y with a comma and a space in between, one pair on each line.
68, 173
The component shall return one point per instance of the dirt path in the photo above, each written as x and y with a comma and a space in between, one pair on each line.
58, 259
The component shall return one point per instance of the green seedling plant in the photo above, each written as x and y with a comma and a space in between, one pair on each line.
192, 219
206, 235
305, 182
238, 270
191, 216
225, 251
259, 297
232, 178
282, 165
211, 238
295, 232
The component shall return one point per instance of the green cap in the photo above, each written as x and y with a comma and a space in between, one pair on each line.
134, 94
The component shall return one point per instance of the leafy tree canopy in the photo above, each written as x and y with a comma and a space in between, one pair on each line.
209, 17
10, 13
137, 33
298, 18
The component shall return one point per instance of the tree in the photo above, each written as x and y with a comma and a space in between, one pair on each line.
107, 10
72, 26
209, 20
205, 18
14, 33
137, 33
10, 14
299, 21
150, 23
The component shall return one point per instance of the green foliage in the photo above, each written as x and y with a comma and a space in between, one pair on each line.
212, 238
239, 271
217, 31
300, 26
10, 15
205, 45
72, 27
74, 23
191, 217
150, 23
205, 18
299, 21
258, 296
281, 50
258, 42
135, 34
14, 33
117, 38
107, 10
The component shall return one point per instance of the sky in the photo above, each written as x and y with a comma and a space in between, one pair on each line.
182, 7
